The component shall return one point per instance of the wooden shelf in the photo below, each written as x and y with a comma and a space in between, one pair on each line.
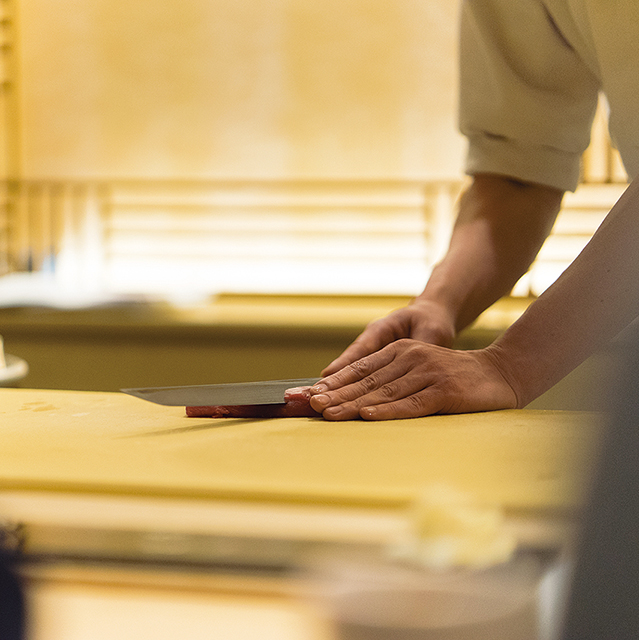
233, 338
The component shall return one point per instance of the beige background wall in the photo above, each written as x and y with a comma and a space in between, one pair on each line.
237, 89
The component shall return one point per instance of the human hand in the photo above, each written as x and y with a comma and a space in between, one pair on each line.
409, 379
421, 320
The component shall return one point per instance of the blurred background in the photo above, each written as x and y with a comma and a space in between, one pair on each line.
213, 164
189, 149
201, 191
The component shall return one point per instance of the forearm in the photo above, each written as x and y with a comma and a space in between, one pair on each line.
593, 300
500, 227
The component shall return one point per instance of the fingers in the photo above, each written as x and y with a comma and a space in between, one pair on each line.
372, 339
377, 407
408, 379
351, 354
424, 321
355, 371
377, 379
425, 403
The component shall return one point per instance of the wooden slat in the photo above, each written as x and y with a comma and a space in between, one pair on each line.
205, 238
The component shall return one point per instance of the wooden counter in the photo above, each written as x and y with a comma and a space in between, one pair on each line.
139, 520
111, 444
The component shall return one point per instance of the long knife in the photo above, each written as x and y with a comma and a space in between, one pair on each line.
228, 394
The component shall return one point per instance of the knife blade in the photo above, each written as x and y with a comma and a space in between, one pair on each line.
227, 394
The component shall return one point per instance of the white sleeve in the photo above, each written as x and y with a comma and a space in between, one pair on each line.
526, 98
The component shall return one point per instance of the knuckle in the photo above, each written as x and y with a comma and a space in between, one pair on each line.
411, 351
361, 368
415, 403
388, 391
369, 383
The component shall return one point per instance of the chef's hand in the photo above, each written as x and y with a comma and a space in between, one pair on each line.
421, 320
409, 379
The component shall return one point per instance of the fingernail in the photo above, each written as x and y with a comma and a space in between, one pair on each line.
320, 402
368, 413
319, 388
333, 413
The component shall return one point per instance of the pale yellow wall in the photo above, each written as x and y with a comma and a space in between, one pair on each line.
6, 37
238, 88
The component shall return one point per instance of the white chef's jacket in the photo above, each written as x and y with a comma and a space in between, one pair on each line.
531, 72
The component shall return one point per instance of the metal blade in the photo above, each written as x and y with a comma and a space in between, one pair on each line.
234, 393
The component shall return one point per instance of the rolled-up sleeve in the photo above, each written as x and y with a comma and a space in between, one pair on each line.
527, 99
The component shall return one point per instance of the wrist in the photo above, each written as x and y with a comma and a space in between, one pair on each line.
503, 365
436, 322
524, 365
442, 297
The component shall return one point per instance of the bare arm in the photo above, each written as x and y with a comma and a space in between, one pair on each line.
500, 227
592, 301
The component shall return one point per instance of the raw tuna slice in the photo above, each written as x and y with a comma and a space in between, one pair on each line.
296, 405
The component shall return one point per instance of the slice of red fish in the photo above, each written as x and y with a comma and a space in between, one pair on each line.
297, 404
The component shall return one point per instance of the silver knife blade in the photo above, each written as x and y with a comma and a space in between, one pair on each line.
231, 393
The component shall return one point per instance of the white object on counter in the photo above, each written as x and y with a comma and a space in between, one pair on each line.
12, 368
377, 599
